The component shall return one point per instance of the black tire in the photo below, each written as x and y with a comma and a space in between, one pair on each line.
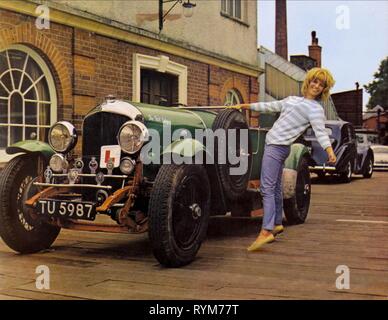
297, 207
234, 186
367, 172
18, 229
346, 176
178, 213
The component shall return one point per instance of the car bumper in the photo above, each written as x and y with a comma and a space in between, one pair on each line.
379, 165
322, 168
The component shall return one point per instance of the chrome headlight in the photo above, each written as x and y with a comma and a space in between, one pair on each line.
132, 136
62, 136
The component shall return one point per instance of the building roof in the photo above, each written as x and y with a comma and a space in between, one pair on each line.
283, 65
373, 113
293, 72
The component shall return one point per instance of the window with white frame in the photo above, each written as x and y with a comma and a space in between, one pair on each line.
161, 64
27, 97
233, 8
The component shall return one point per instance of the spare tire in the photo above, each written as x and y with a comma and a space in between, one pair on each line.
297, 207
236, 185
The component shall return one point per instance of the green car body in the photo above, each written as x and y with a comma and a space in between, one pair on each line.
180, 118
147, 196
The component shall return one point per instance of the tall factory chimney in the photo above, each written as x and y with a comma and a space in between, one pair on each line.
281, 48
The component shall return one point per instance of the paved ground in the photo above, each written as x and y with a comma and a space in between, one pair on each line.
347, 225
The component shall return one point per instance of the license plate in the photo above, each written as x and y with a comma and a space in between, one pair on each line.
67, 209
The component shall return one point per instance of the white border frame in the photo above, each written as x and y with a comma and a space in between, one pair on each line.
161, 64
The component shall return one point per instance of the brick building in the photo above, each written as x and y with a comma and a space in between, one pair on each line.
377, 120
349, 105
96, 48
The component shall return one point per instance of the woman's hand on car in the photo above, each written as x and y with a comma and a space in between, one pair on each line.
331, 155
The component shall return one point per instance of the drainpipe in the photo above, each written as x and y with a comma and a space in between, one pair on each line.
378, 124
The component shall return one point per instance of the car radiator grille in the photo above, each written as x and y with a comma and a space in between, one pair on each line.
100, 129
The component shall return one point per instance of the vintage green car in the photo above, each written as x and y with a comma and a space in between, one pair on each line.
145, 167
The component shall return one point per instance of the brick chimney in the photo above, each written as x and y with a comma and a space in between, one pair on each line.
281, 48
315, 51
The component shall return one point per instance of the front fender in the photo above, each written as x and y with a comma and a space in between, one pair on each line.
290, 171
344, 154
298, 150
31, 146
362, 154
186, 148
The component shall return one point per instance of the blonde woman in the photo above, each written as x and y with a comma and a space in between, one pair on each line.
296, 115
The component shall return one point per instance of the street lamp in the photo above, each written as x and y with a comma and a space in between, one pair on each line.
188, 10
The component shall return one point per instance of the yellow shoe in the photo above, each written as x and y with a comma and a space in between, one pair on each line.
259, 243
277, 230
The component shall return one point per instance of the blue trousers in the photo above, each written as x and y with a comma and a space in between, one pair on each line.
271, 184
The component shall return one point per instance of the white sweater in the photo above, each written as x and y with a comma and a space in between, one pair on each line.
296, 115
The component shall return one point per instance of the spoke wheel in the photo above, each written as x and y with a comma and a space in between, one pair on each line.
297, 207
178, 213
346, 176
187, 211
20, 228
368, 169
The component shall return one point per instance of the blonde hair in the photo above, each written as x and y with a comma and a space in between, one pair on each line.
325, 76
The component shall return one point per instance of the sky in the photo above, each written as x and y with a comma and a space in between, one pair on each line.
353, 36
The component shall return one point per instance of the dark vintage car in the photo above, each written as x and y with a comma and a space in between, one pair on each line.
47, 188
352, 157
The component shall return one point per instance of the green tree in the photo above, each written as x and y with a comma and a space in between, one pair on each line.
378, 88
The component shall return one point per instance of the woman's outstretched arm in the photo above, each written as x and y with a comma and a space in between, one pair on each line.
273, 106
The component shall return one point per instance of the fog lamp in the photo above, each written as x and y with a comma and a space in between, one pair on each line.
127, 165
58, 163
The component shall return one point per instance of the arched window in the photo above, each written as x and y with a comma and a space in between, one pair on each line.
28, 101
233, 97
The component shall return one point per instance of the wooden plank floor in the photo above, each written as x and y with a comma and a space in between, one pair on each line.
301, 264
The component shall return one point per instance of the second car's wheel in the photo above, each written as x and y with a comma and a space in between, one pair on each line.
19, 227
234, 184
178, 213
346, 176
297, 207
368, 167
